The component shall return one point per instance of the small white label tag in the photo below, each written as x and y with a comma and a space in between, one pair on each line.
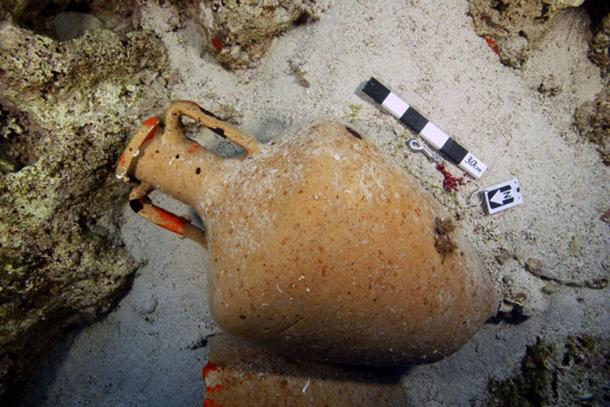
473, 166
502, 196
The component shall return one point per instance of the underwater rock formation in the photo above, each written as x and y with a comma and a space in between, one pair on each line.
238, 32
599, 48
514, 27
573, 372
592, 119
65, 111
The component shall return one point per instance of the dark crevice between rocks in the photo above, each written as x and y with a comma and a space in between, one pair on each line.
597, 10
544, 14
65, 20
40, 16
513, 317
304, 18
18, 140
499, 6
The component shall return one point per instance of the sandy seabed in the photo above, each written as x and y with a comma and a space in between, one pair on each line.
150, 349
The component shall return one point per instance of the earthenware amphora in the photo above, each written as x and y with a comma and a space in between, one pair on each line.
319, 245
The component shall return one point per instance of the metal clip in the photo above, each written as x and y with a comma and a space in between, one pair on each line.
418, 147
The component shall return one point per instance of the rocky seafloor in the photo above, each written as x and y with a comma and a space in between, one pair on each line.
78, 77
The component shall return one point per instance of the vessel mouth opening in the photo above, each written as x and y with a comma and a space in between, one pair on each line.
146, 133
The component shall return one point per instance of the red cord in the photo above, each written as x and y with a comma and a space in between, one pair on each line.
450, 182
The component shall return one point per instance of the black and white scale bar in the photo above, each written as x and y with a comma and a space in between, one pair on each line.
428, 130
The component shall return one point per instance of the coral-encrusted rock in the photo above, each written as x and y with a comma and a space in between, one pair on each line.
65, 109
593, 121
599, 48
239, 32
593, 118
566, 373
515, 26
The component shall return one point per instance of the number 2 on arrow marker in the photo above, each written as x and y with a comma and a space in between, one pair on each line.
502, 196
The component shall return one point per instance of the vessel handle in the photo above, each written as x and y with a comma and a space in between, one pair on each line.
142, 205
138, 197
174, 133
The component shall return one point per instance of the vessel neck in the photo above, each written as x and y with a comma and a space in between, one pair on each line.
182, 170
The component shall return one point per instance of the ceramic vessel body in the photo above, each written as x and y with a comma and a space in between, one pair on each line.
321, 247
